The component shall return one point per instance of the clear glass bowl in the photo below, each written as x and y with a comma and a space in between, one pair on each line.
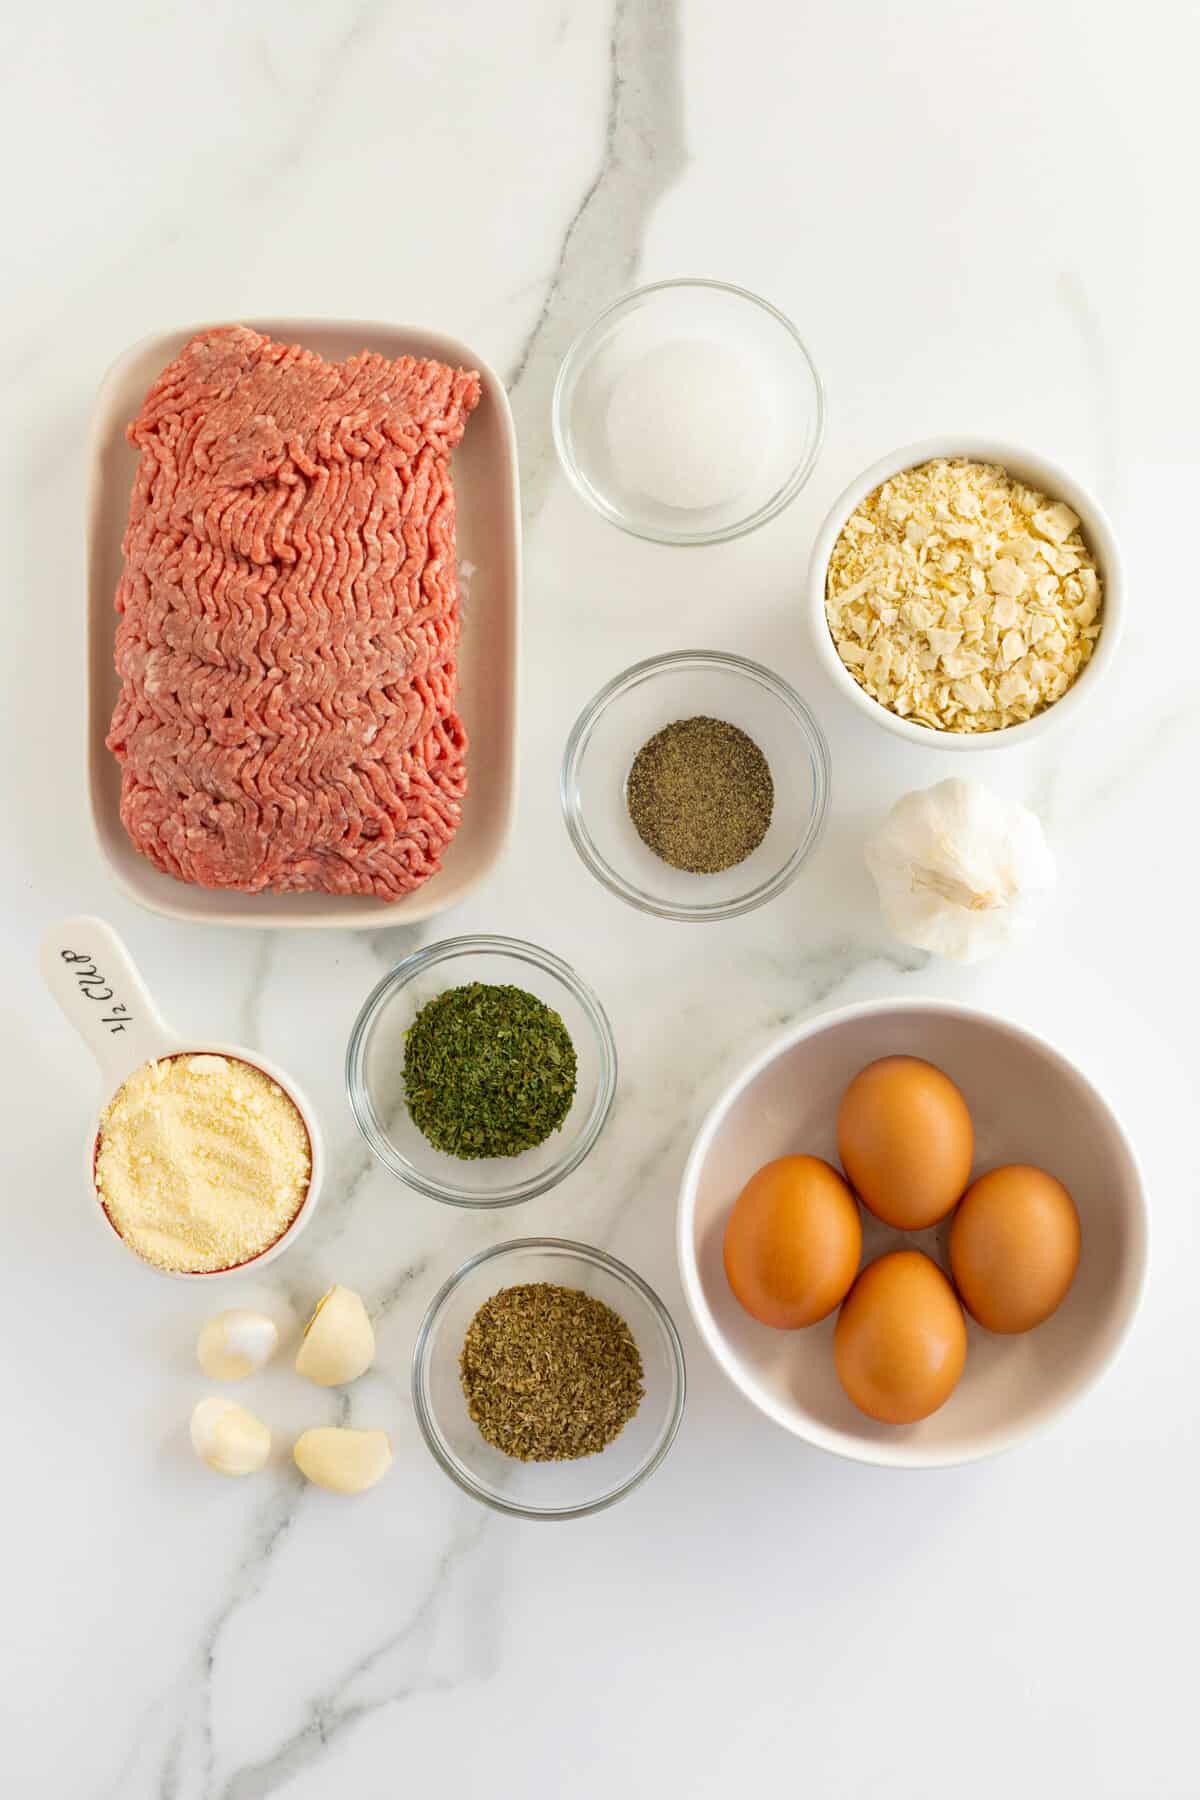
612, 729
551, 1490
375, 1070
666, 314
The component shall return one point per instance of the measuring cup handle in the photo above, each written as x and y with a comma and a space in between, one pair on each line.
92, 976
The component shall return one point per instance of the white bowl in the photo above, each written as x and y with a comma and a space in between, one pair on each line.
1039, 472
1029, 1104
489, 539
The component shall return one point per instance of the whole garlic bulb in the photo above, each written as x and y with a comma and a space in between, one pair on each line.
236, 1343
960, 870
228, 1438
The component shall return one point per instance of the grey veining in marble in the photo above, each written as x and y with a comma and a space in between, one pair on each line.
642, 153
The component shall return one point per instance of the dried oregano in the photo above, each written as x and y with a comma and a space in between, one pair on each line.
550, 1373
489, 1070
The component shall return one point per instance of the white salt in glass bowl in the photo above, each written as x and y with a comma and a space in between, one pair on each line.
1029, 1103
94, 979
757, 339
1039, 472
611, 730
546, 1490
375, 1070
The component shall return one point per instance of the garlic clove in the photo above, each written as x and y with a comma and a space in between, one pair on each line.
228, 1438
341, 1459
338, 1343
236, 1343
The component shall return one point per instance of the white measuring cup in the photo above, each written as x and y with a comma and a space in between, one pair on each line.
93, 977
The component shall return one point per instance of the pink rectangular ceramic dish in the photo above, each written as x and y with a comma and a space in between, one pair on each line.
489, 549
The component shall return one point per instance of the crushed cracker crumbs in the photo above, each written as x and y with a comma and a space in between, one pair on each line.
961, 599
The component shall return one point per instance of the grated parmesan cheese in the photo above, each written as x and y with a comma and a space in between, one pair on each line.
203, 1162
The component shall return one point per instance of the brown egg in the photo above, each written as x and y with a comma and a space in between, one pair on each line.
1014, 1247
906, 1141
793, 1242
901, 1340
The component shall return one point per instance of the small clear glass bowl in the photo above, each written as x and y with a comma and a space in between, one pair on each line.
662, 315
375, 1070
612, 729
549, 1490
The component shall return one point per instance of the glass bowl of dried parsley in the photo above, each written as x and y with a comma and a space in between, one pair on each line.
695, 785
548, 1379
481, 1070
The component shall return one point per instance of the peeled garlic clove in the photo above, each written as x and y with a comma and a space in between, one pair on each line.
341, 1459
228, 1438
338, 1344
236, 1343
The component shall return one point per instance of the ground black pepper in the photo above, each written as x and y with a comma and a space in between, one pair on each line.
700, 795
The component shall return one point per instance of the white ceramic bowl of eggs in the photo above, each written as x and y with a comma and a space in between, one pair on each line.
1028, 1104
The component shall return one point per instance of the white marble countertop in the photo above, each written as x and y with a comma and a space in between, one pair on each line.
980, 219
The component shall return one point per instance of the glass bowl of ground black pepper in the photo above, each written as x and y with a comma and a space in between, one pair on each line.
696, 785
481, 1070
548, 1379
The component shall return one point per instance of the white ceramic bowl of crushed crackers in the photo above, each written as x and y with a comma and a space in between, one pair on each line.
1033, 471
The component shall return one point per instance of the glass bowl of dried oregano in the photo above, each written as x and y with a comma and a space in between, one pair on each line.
695, 785
548, 1378
481, 1070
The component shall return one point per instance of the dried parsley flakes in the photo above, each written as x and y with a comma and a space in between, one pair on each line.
550, 1373
489, 1070
700, 795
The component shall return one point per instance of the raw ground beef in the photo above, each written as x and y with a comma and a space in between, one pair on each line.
289, 623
